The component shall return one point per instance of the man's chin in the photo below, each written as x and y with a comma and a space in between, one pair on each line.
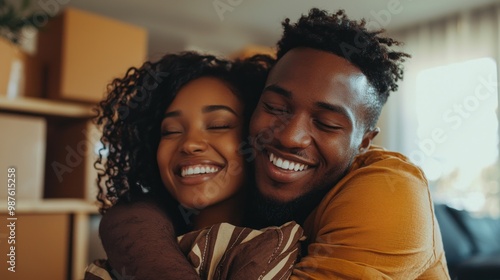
277, 199
271, 209
278, 193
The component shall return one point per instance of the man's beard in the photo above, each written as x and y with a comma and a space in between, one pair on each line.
268, 212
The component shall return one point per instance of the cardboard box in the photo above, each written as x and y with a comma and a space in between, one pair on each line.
72, 148
20, 72
23, 147
83, 52
42, 243
7, 56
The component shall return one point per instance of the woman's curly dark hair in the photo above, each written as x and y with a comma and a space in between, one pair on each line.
336, 33
131, 115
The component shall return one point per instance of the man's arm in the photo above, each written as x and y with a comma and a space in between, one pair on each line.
378, 223
140, 242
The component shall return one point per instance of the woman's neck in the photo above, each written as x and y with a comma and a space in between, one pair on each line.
227, 211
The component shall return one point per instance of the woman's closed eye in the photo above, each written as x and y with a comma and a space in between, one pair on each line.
219, 126
170, 130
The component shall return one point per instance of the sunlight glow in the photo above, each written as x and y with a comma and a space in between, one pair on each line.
458, 128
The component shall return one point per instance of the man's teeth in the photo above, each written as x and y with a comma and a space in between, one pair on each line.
286, 164
195, 170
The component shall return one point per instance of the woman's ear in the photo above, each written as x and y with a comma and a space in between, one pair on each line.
367, 139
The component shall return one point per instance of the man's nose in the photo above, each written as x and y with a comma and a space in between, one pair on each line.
294, 132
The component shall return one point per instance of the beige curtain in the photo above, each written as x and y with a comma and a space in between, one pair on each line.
427, 118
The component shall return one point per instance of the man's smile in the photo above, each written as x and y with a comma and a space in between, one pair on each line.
284, 168
286, 164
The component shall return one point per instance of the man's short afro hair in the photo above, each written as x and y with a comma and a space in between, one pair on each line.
337, 34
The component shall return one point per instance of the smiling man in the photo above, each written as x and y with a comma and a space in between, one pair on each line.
321, 108
316, 117
367, 213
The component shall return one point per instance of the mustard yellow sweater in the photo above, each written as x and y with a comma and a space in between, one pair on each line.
377, 223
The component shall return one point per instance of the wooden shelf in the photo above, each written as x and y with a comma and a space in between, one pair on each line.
77, 235
53, 205
45, 107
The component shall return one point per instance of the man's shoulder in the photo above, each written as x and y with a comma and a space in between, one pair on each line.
379, 167
379, 182
378, 156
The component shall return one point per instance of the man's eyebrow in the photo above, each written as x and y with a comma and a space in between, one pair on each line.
212, 108
335, 109
279, 90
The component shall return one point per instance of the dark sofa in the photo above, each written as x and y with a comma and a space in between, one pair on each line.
471, 244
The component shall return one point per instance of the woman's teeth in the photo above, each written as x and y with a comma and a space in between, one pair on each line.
286, 164
196, 170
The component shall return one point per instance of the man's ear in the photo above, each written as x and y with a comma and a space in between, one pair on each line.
367, 139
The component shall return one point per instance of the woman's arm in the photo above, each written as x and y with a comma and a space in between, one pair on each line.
140, 242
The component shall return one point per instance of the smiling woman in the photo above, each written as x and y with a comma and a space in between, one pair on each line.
198, 152
176, 125
174, 130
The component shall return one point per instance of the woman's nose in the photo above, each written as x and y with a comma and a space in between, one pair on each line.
194, 143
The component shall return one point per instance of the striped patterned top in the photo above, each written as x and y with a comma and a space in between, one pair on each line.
224, 251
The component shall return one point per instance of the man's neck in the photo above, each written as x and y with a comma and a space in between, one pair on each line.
266, 213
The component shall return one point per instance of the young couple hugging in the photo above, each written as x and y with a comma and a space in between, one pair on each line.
264, 168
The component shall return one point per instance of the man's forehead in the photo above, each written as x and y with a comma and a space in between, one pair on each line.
310, 69
313, 65
318, 58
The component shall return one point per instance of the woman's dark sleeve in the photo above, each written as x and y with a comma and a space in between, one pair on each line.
140, 243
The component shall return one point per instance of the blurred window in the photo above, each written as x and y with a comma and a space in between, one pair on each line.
457, 133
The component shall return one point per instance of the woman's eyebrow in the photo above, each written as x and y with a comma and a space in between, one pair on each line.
212, 108
172, 114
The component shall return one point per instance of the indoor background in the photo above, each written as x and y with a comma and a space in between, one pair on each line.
444, 116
